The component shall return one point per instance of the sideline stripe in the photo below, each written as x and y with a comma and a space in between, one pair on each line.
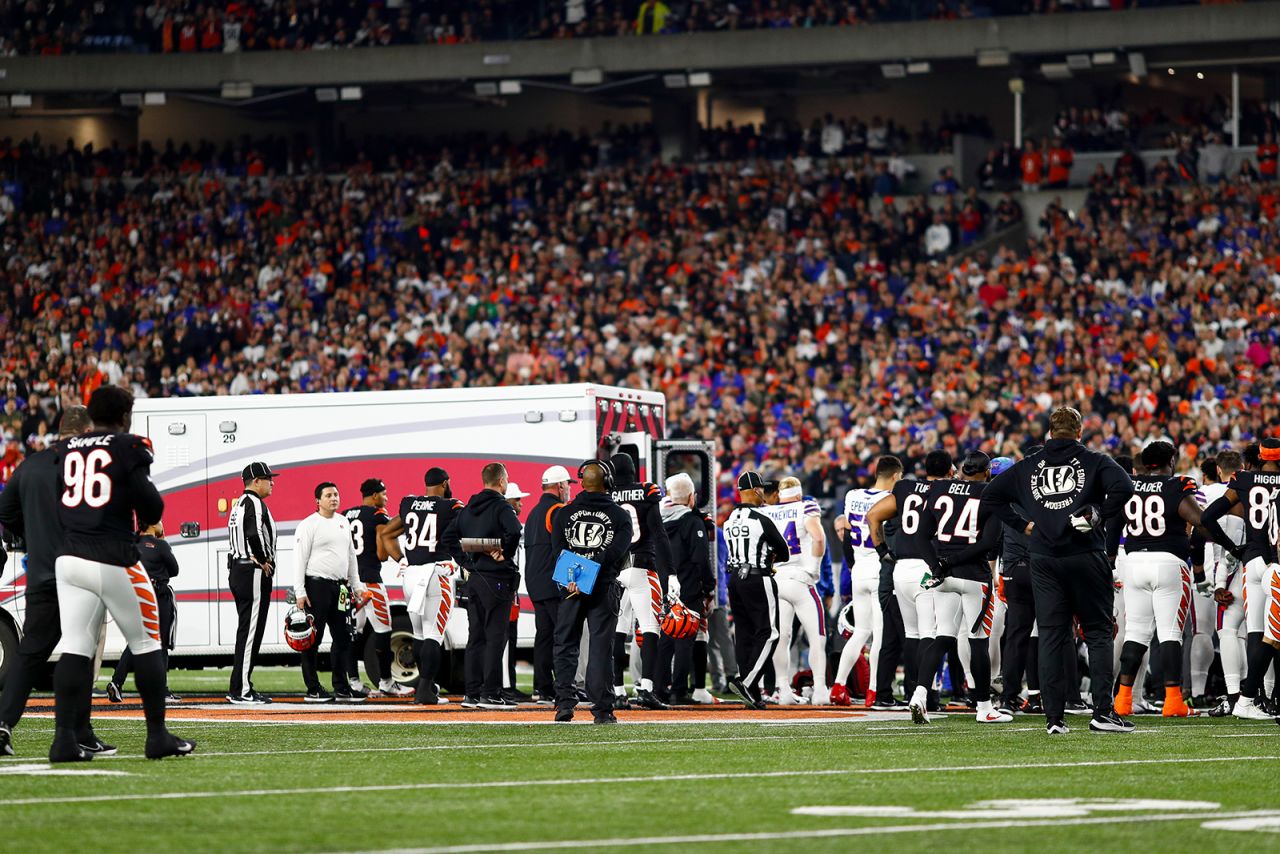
596, 781
822, 834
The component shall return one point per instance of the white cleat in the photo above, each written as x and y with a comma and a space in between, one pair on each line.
391, 688
919, 712
705, 697
987, 714
822, 697
790, 698
1246, 711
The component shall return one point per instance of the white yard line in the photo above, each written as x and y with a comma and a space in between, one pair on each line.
827, 833
599, 781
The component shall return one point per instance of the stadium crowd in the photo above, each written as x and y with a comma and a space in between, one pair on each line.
184, 26
783, 311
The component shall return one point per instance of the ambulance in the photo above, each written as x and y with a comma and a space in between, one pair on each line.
202, 443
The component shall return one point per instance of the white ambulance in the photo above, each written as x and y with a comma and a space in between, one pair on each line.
202, 444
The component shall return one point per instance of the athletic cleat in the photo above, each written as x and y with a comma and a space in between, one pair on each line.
172, 699
113, 693
744, 693
497, 704
870, 699
1222, 710
98, 747
252, 699
544, 699
349, 697
821, 698
1008, 707
1033, 706
987, 714
358, 687
169, 745
6, 741
919, 713
59, 753
318, 696
1077, 708
789, 698
469, 702
515, 695
395, 689
1247, 710
886, 702
704, 697
840, 696
646, 700
1109, 722
1142, 707
260, 698
1057, 727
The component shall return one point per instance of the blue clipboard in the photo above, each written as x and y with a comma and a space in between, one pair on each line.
576, 569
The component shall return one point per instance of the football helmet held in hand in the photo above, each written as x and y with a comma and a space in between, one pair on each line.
845, 621
1086, 519
679, 621
299, 629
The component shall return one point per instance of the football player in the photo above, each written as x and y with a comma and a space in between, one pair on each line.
428, 565
1227, 576
1249, 495
645, 581
800, 521
963, 587
906, 503
864, 577
1157, 581
367, 520
106, 485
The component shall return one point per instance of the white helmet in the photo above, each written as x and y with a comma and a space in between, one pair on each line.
299, 629
845, 621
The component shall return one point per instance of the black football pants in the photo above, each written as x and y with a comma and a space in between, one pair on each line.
1015, 645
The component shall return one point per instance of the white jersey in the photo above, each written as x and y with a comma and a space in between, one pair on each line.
857, 504
1217, 562
790, 519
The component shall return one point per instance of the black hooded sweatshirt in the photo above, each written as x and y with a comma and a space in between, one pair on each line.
1051, 485
488, 514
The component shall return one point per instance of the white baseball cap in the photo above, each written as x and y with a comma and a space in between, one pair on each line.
556, 474
513, 491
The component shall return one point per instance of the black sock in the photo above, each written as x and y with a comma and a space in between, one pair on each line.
699, 664
1033, 667
148, 673
648, 656
1131, 659
1171, 656
980, 662
428, 666
73, 689
910, 664
619, 658
1258, 659
382, 652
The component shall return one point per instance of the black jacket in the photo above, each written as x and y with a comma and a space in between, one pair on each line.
690, 553
539, 557
1050, 486
488, 514
29, 508
595, 527
157, 559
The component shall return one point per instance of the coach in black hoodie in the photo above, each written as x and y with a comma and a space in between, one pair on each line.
1069, 492
595, 527
491, 588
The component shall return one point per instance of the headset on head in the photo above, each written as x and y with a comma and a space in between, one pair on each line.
606, 469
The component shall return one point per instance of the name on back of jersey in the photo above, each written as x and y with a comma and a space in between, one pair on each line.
89, 442
1148, 486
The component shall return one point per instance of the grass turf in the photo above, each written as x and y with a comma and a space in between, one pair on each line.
450, 807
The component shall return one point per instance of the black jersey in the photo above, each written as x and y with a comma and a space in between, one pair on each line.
107, 495
640, 502
1151, 519
430, 534
1255, 491
365, 522
911, 542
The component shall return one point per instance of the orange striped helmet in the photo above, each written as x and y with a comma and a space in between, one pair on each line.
680, 622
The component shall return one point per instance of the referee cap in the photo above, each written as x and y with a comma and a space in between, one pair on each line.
253, 471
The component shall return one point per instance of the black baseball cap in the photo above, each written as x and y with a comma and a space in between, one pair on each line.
253, 471
435, 476
372, 486
750, 480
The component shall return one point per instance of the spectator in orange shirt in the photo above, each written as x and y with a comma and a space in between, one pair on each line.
1060, 160
1032, 167
1268, 153
187, 36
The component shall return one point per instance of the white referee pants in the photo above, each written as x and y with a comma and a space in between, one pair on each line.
88, 590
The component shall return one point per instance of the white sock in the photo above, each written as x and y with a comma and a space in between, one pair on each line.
920, 697
646, 684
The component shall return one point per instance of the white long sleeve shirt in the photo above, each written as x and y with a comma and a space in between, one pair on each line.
322, 548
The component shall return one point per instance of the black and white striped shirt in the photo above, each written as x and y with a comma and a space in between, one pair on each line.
753, 540
251, 530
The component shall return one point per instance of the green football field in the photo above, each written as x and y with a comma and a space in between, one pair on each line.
1194, 785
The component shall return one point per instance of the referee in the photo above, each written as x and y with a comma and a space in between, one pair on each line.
1069, 493
250, 567
754, 545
